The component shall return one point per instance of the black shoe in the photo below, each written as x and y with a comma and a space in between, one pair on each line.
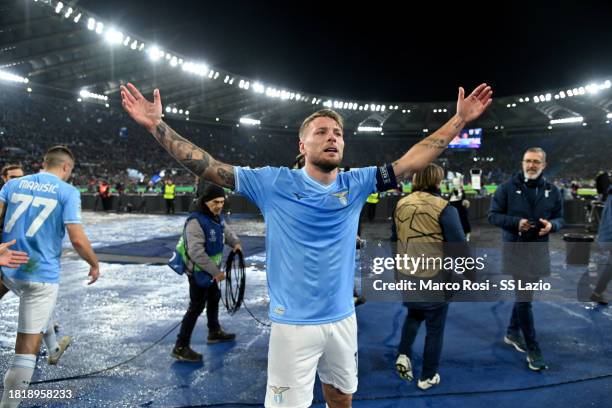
596, 297
186, 354
219, 336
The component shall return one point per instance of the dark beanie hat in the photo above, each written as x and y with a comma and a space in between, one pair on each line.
211, 192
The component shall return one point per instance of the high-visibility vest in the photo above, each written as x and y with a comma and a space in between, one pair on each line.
373, 198
169, 191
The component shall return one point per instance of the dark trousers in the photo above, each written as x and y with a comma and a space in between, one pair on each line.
522, 321
169, 205
370, 211
199, 298
604, 277
435, 321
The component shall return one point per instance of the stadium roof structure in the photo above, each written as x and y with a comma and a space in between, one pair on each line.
48, 46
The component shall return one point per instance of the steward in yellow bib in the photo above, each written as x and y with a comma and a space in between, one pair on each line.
169, 194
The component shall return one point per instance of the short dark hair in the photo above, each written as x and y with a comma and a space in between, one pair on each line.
323, 113
57, 155
10, 167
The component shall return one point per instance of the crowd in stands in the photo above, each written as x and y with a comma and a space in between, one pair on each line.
107, 143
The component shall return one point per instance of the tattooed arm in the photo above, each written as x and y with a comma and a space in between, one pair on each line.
426, 151
195, 159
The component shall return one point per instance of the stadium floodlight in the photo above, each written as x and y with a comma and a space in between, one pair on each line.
549, 127
226, 80
562, 95
584, 124
536, 99
134, 45
556, 96
29, 89
7, 76
58, 7
607, 84
168, 109
548, 97
216, 119
154, 53
581, 90
78, 18
173, 62
85, 94
369, 129
91, 23
574, 119
187, 112
99, 27
258, 87
609, 116
68, 12
231, 82
126, 42
425, 130
249, 121
113, 36
298, 97
141, 47
180, 111
174, 110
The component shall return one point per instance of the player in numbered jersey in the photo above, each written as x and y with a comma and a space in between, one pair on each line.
311, 217
36, 210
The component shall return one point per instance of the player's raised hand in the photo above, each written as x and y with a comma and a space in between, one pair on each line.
145, 113
475, 104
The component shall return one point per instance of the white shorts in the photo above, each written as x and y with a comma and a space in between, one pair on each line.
36, 303
297, 352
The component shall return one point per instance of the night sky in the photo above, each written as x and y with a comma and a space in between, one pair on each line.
387, 51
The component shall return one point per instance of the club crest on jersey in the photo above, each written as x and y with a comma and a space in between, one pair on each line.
342, 196
213, 235
278, 393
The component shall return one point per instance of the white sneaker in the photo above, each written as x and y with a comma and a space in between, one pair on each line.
430, 382
62, 345
404, 367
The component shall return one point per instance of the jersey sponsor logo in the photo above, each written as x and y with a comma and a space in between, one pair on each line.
213, 235
278, 393
342, 197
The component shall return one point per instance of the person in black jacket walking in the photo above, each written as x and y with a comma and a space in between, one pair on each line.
527, 208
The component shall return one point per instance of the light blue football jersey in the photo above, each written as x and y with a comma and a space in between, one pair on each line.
311, 231
38, 207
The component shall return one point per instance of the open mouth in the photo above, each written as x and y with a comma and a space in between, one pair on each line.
331, 150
